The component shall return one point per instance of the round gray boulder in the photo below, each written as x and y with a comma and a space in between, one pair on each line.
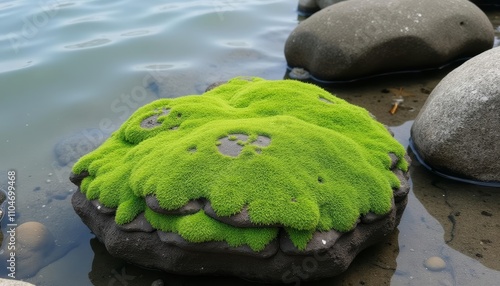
457, 132
359, 38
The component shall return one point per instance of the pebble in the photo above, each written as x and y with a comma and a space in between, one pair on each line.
299, 73
435, 263
34, 236
158, 282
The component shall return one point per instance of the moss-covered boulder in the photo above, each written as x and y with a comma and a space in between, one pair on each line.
270, 171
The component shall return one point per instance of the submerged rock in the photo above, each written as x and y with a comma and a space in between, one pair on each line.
435, 263
457, 130
359, 38
34, 243
69, 149
267, 173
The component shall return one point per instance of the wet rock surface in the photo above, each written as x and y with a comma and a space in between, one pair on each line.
359, 38
331, 252
456, 132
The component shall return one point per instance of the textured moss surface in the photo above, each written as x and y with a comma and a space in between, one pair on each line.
327, 162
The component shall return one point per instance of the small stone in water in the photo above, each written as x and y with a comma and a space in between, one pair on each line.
299, 73
435, 263
158, 282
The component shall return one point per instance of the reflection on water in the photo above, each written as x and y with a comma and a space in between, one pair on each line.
89, 44
72, 71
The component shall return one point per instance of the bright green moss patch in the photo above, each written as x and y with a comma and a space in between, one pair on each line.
199, 227
325, 162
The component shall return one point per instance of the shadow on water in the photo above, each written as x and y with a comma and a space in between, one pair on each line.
467, 213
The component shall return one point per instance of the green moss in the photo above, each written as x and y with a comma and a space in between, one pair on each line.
327, 162
199, 227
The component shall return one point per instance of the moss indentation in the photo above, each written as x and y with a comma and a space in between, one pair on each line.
322, 167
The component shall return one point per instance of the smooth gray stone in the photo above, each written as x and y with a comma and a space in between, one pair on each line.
457, 131
359, 38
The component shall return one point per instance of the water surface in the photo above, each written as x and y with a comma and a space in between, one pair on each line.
73, 71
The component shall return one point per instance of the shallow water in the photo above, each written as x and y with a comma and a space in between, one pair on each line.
74, 70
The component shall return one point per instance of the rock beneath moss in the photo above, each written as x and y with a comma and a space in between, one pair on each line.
170, 252
216, 246
10, 282
320, 242
140, 223
359, 38
241, 219
257, 177
190, 208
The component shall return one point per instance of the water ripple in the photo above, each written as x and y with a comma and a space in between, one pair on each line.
15, 65
135, 33
89, 44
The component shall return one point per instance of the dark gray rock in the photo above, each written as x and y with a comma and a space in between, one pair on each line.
216, 246
458, 129
140, 223
486, 2
190, 208
327, 254
359, 38
241, 219
102, 208
152, 121
148, 250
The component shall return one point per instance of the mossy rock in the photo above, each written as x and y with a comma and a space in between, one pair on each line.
244, 160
